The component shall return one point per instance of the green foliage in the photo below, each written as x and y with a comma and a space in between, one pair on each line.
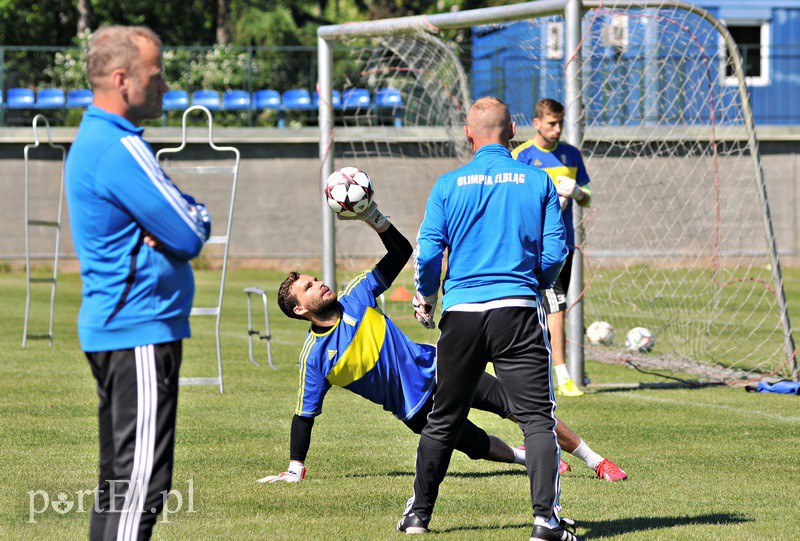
42, 22
254, 26
68, 67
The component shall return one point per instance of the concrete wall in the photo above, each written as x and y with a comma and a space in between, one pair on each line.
276, 216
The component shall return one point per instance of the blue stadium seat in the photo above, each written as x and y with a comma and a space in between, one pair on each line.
336, 97
175, 100
390, 99
297, 100
266, 99
207, 98
236, 100
81, 97
20, 98
50, 98
355, 98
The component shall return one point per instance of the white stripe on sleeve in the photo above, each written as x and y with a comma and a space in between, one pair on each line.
150, 166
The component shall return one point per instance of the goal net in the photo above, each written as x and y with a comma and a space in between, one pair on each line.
675, 238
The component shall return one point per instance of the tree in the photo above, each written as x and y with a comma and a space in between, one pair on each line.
223, 20
85, 16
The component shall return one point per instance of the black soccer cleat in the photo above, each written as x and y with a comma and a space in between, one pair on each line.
412, 524
564, 532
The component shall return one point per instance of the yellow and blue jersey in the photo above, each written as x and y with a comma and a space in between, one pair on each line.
366, 353
563, 160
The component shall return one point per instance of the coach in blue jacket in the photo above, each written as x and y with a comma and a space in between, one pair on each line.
134, 233
500, 221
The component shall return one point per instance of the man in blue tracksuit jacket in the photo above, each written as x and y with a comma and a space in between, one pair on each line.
134, 233
500, 221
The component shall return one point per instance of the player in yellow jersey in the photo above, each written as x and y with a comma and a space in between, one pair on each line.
564, 165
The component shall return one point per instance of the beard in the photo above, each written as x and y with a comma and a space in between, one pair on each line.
325, 308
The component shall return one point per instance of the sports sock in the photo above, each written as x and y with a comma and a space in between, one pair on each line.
552, 522
562, 375
585, 453
519, 456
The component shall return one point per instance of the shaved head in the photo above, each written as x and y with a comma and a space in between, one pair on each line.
488, 117
488, 121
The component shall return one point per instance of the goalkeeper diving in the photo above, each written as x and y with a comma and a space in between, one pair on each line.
353, 345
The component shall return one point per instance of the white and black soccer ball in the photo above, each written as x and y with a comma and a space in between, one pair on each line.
600, 333
639, 339
348, 191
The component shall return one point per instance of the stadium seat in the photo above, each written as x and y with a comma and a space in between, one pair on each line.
336, 97
207, 98
297, 100
266, 99
236, 100
269, 99
175, 100
50, 98
355, 98
390, 99
20, 98
81, 97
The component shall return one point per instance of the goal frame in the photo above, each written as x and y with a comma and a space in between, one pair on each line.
572, 11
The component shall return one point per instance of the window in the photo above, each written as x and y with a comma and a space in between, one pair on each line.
752, 40
555, 40
615, 33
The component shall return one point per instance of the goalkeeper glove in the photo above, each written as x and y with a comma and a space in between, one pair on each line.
295, 474
370, 215
563, 201
567, 187
424, 305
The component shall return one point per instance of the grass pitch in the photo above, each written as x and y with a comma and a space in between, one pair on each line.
712, 463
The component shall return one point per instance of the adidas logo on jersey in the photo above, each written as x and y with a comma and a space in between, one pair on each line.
538, 162
331, 354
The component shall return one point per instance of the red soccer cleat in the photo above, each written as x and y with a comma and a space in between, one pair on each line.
563, 467
609, 471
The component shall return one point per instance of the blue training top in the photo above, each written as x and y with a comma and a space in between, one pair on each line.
501, 222
133, 295
367, 354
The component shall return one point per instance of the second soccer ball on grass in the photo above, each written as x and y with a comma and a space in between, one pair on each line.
600, 333
639, 339
348, 191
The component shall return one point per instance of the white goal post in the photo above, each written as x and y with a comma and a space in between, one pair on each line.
679, 237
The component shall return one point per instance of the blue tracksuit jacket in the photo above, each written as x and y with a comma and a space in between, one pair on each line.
501, 223
133, 295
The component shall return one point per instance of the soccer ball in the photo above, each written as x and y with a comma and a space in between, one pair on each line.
639, 339
600, 333
348, 191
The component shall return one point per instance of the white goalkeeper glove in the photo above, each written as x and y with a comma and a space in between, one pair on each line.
563, 201
370, 215
567, 187
295, 474
424, 305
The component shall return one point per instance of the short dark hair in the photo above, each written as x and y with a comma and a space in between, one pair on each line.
286, 299
548, 106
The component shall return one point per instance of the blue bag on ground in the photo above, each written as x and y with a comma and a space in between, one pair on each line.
781, 387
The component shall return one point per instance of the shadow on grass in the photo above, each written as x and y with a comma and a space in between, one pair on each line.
666, 385
625, 526
466, 475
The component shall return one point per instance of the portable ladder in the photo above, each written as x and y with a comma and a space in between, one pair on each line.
224, 240
252, 333
30, 222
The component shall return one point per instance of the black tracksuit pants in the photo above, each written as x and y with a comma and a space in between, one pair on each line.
138, 391
514, 339
474, 441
